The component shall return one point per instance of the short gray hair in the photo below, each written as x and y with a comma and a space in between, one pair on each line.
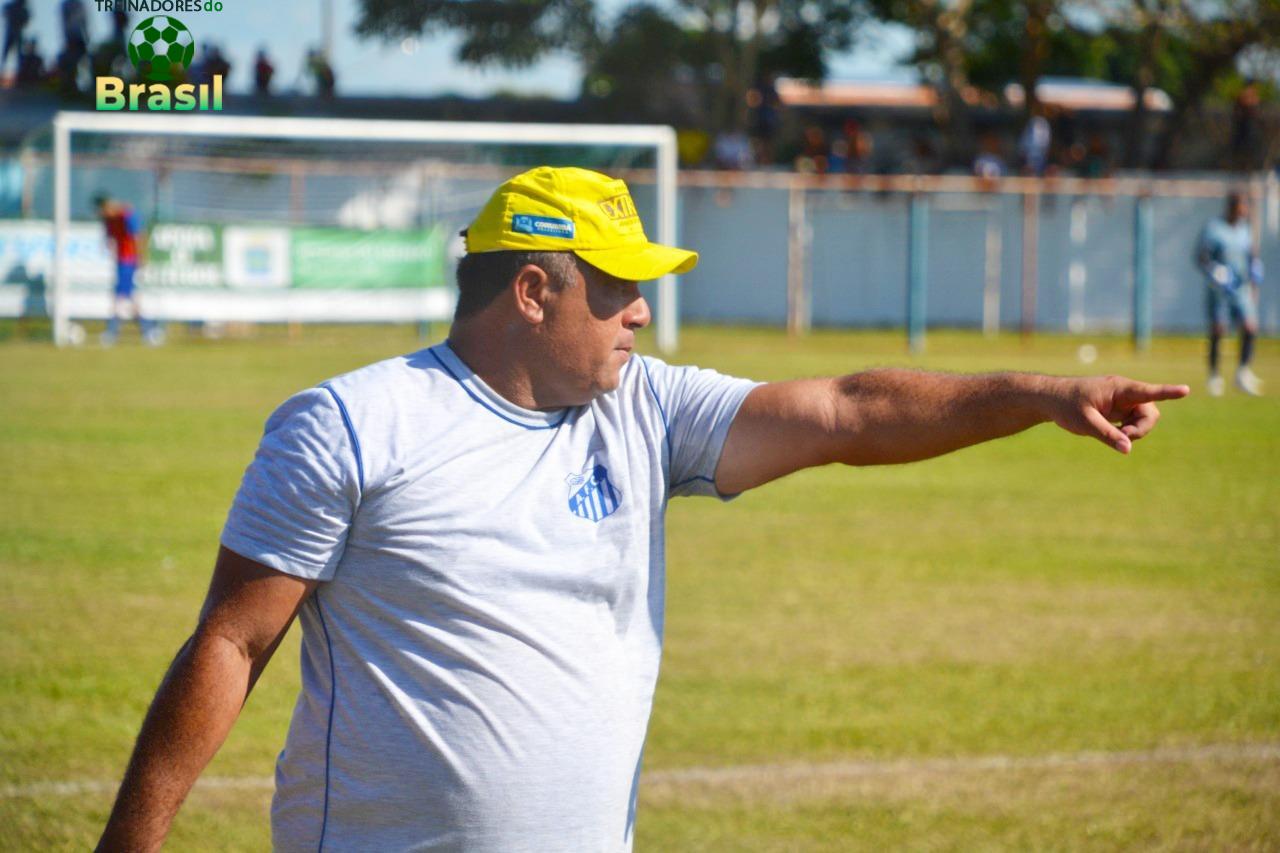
483, 275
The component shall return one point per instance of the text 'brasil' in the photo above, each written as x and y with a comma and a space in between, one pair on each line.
113, 93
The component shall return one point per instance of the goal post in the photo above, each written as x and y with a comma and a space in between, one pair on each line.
660, 140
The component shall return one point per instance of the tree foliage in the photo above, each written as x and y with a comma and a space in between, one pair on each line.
712, 50
696, 59
1190, 49
504, 33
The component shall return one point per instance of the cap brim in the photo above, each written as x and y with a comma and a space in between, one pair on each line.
644, 262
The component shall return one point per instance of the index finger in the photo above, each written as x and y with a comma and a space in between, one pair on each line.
1145, 391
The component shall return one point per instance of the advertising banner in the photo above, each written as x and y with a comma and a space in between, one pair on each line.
198, 256
26, 254
339, 258
182, 256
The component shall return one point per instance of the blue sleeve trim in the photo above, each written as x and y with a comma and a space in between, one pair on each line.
666, 425
351, 431
473, 396
328, 735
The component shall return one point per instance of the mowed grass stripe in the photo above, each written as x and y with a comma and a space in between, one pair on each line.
774, 776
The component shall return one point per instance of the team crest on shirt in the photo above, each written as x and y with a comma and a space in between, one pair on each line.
591, 495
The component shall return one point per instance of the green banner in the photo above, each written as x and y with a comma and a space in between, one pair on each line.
339, 258
180, 255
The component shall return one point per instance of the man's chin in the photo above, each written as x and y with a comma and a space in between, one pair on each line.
611, 377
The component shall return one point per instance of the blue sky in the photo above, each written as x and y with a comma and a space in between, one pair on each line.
419, 67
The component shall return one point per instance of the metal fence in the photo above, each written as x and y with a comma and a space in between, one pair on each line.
1022, 254
803, 251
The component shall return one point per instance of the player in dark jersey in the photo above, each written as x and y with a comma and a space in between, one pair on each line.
123, 226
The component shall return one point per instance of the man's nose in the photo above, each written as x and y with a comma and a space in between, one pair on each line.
637, 314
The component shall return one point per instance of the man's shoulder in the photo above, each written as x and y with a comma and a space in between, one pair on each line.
382, 380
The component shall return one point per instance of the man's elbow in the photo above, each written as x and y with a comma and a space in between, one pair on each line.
211, 640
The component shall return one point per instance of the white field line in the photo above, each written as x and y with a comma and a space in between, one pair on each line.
782, 771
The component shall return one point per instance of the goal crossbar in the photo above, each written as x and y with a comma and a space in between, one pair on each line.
661, 138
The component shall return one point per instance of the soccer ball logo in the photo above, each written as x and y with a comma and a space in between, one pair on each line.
161, 48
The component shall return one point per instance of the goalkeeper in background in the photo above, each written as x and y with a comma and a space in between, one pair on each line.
1233, 273
122, 225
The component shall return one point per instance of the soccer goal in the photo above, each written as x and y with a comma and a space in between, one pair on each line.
262, 219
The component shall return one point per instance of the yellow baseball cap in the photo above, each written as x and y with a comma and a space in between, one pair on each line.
575, 210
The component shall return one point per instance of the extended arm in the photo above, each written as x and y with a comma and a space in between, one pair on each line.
248, 609
892, 415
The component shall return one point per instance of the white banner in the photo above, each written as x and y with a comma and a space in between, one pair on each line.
26, 254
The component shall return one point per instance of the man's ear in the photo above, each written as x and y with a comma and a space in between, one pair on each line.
530, 290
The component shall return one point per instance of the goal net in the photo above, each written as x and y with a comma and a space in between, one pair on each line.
263, 219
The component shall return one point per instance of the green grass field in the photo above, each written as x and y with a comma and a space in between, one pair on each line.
946, 624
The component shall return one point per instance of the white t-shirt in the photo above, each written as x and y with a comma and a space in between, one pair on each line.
478, 667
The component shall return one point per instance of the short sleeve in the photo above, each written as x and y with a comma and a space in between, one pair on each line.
1204, 254
697, 408
300, 493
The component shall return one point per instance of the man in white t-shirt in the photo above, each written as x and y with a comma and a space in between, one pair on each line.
473, 534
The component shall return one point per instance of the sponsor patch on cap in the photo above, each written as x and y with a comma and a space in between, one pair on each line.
543, 226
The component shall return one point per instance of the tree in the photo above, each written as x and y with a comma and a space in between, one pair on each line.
943, 35
506, 33
1215, 36
722, 46
649, 68
1191, 49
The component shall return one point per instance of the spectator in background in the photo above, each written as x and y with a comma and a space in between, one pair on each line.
1244, 126
765, 116
122, 226
862, 147
75, 32
1097, 158
732, 151
16, 16
119, 26
75, 44
217, 64
321, 73
989, 165
838, 162
108, 58
263, 71
211, 63
1233, 273
30, 66
924, 158
1033, 145
814, 155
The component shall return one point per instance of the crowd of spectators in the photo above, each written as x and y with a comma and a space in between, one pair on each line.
1050, 141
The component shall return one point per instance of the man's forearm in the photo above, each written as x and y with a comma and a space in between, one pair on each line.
895, 415
193, 710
